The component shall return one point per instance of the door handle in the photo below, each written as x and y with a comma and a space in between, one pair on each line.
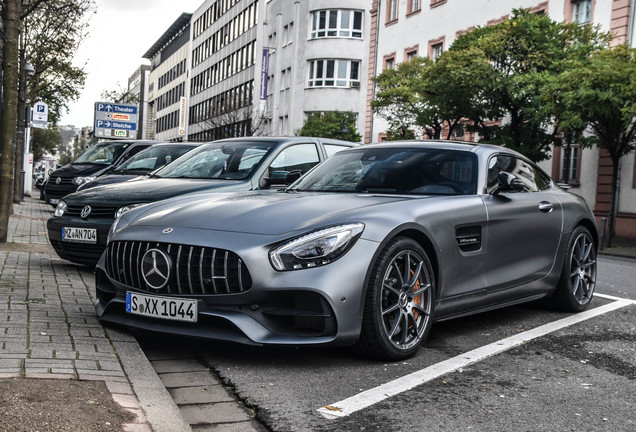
545, 207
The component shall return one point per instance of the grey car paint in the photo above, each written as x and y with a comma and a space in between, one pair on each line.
523, 239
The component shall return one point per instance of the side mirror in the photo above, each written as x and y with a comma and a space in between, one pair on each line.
508, 183
292, 176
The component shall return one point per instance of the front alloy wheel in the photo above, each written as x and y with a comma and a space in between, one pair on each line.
398, 309
578, 278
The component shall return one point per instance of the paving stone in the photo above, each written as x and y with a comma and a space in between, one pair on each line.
182, 365
200, 394
223, 412
187, 379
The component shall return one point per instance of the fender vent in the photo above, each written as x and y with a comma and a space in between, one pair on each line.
468, 238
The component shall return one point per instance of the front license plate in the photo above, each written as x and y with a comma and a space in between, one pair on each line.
177, 309
54, 201
79, 235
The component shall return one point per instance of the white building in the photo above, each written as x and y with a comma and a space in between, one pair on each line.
138, 85
318, 58
403, 28
169, 83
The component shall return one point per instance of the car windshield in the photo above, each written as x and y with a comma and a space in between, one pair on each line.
226, 161
103, 153
152, 158
409, 171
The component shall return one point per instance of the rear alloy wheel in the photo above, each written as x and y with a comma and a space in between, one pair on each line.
399, 302
578, 277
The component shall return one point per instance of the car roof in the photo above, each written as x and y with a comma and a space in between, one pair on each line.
445, 145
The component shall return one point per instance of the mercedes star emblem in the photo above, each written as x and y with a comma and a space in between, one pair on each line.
155, 268
85, 211
58, 180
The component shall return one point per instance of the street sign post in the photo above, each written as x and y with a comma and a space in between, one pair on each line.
115, 121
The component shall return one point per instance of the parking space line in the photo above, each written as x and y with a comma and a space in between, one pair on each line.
378, 394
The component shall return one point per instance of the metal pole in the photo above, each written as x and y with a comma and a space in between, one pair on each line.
601, 234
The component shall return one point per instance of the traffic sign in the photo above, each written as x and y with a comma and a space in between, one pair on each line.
40, 115
115, 120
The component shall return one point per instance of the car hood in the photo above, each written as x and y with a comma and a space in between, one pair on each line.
149, 190
75, 170
260, 212
108, 179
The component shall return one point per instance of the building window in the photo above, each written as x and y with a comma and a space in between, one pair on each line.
582, 11
414, 6
392, 10
336, 23
569, 164
435, 48
437, 2
334, 73
410, 53
389, 61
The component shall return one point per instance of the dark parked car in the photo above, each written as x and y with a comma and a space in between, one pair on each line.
97, 160
81, 221
144, 162
369, 248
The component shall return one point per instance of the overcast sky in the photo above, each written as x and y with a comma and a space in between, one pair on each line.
120, 33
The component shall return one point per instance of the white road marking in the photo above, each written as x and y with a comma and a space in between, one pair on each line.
378, 394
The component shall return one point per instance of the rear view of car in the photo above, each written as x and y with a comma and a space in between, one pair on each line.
97, 160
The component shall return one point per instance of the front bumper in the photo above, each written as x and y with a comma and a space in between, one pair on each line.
306, 307
81, 253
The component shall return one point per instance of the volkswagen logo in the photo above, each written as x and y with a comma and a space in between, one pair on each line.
85, 211
167, 231
155, 268
58, 180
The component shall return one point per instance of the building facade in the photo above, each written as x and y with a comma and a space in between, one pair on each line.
402, 29
317, 60
138, 85
169, 83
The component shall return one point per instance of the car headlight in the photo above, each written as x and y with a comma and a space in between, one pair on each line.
60, 209
315, 249
81, 180
126, 209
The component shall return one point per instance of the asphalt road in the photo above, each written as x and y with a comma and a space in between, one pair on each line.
566, 377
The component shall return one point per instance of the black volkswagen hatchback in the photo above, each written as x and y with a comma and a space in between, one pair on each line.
97, 160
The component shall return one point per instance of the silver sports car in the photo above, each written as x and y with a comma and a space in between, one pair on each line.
369, 248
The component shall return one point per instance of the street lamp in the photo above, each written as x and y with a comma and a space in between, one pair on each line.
28, 72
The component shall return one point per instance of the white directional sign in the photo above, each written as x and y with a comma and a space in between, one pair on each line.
115, 120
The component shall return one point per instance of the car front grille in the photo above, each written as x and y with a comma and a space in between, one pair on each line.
193, 269
97, 212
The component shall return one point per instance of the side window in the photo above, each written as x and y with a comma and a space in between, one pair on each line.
532, 177
301, 157
333, 148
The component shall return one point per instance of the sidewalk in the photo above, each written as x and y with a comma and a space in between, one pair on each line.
49, 330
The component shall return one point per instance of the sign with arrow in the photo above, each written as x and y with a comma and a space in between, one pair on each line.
115, 120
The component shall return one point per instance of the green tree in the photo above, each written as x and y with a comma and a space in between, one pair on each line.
52, 33
11, 10
45, 141
397, 99
595, 100
522, 51
331, 124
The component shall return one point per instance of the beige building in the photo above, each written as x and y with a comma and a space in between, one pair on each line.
401, 29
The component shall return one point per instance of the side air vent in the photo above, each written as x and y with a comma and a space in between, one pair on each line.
468, 238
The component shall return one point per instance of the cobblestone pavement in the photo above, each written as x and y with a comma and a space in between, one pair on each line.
49, 329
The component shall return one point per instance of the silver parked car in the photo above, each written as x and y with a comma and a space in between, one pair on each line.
368, 248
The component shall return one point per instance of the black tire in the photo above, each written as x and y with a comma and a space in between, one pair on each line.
398, 310
578, 278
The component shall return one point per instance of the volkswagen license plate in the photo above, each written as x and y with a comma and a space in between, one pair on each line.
79, 235
171, 308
